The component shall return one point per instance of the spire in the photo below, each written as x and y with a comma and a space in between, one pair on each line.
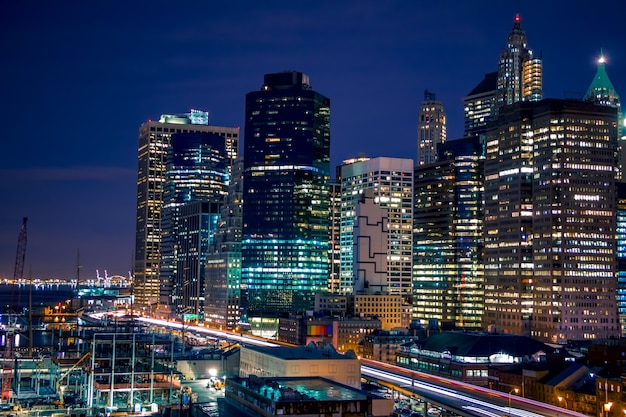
601, 90
517, 37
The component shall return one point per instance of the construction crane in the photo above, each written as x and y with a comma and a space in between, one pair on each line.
59, 389
18, 273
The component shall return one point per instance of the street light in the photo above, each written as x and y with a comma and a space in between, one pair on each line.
516, 391
607, 408
562, 399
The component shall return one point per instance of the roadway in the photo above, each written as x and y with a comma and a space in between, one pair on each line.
456, 396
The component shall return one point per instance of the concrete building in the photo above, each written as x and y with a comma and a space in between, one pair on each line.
342, 333
382, 345
392, 310
300, 361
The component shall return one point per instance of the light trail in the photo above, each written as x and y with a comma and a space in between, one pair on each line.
393, 374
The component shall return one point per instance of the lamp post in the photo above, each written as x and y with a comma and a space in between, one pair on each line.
607, 408
510, 392
562, 399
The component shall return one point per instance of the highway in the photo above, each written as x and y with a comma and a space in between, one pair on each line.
459, 397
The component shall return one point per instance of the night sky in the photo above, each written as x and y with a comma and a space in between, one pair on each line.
79, 77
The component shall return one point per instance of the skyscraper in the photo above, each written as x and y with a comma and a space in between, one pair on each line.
447, 231
154, 144
520, 74
197, 170
602, 92
286, 196
391, 180
550, 207
223, 271
479, 105
431, 128
334, 239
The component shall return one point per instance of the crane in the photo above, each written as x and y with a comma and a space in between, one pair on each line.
18, 273
58, 385
7, 370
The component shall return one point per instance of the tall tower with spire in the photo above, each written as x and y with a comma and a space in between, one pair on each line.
431, 129
520, 74
602, 92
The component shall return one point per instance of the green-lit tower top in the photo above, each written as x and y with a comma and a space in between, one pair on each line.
601, 90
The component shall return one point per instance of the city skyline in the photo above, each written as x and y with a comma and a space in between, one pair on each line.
79, 80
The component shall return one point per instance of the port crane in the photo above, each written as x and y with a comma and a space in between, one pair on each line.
66, 373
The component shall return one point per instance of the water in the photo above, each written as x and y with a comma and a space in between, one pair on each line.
14, 299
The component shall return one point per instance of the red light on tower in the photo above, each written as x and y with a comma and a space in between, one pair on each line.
517, 18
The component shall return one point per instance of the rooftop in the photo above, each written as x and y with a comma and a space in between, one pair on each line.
310, 351
301, 389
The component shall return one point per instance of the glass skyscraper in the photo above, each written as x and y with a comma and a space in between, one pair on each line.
447, 231
286, 196
154, 145
197, 172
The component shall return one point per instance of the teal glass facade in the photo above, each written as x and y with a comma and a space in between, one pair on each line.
286, 196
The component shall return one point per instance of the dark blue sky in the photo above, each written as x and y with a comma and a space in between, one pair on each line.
79, 77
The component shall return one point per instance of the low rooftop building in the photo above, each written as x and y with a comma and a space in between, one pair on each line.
300, 361
469, 356
302, 397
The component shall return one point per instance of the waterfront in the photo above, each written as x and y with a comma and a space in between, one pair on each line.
15, 298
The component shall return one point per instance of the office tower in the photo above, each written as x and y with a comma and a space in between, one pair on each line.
196, 224
621, 256
392, 182
431, 129
334, 239
197, 170
447, 230
602, 92
550, 215
286, 196
519, 72
479, 105
223, 270
154, 144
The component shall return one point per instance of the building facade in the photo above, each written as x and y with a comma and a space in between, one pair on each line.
431, 129
223, 269
286, 196
154, 144
520, 73
197, 172
334, 238
391, 180
479, 106
302, 361
550, 207
448, 265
